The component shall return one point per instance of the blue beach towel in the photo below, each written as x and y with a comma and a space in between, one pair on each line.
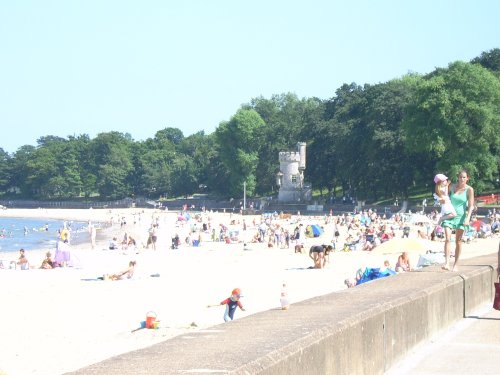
374, 273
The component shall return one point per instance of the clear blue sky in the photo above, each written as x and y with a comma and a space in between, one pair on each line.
72, 67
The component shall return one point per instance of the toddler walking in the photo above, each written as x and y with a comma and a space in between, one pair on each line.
231, 304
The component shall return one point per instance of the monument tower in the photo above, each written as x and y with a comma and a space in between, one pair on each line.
290, 178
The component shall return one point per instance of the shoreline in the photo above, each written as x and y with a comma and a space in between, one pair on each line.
72, 319
35, 236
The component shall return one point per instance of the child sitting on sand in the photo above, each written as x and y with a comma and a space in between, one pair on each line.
403, 264
113, 244
47, 263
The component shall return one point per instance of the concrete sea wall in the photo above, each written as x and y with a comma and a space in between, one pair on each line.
362, 330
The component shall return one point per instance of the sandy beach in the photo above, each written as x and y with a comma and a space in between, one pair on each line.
59, 320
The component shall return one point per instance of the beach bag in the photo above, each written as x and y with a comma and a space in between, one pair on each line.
496, 301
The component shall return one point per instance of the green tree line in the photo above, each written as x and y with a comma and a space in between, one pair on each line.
372, 141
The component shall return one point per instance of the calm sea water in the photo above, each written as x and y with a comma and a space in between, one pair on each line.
30, 234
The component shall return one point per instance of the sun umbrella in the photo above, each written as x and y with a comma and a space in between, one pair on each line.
398, 245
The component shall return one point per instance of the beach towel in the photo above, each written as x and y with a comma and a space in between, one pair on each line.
374, 273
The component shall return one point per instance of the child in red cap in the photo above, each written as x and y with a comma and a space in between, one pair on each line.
231, 304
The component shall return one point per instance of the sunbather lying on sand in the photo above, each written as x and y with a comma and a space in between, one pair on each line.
127, 273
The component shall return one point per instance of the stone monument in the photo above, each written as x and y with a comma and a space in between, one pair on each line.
290, 178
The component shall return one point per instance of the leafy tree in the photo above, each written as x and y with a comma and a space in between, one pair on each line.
211, 174
322, 156
69, 169
4, 170
18, 170
455, 119
114, 164
238, 149
82, 146
184, 181
391, 170
41, 167
47, 140
151, 175
338, 139
489, 60
172, 135
53, 170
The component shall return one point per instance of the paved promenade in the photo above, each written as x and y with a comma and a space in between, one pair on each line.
471, 346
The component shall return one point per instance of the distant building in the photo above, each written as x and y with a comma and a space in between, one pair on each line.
290, 178
14, 190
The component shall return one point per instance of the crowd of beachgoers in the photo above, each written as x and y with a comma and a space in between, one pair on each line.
175, 264
363, 231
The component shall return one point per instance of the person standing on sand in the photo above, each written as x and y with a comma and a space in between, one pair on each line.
23, 261
63, 252
462, 199
300, 238
93, 235
64, 233
152, 237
